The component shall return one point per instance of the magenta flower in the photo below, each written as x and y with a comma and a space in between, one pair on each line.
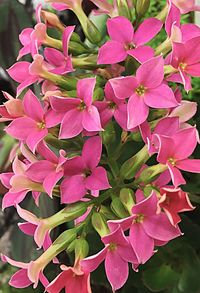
186, 59
147, 228
174, 201
117, 253
124, 41
61, 62
145, 90
33, 127
174, 152
65, 4
112, 107
83, 173
49, 171
80, 112
20, 279
72, 279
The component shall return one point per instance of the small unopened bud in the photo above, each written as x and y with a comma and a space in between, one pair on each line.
124, 9
99, 223
126, 197
133, 165
118, 208
142, 7
81, 248
150, 174
51, 19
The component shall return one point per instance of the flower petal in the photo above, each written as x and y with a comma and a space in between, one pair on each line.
137, 111
91, 152
98, 180
71, 125
120, 29
111, 52
73, 189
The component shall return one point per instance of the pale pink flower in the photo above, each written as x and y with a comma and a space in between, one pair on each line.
11, 109
20, 279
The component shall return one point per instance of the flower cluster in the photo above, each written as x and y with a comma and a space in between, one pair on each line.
72, 139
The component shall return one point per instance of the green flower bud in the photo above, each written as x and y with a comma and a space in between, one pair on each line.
126, 197
142, 7
118, 208
133, 165
123, 9
99, 223
81, 248
150, 174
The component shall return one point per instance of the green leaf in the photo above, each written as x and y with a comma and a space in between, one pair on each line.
160, 278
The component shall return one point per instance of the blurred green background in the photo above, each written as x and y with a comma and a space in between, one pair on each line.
175, 268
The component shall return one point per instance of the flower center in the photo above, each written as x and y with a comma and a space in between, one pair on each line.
112, 106
141, 90
41, 125
81, 106
87, 172
112, 246
183, 66
139, 219
129, 46
172, 161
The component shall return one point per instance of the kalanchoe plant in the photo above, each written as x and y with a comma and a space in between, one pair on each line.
73, 139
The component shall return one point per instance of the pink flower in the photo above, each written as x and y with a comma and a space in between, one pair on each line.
27, 73
174, 201
83, 173
166, 126
112, 107
72, 279
48, 171
174, 152
117, 253
34, 227
65, 4
104, 7
11, 109
19, 185
124, 41
33, 127
147, 228
61, 61
20, 279
145, 90
80, 112
186, 59
186, 6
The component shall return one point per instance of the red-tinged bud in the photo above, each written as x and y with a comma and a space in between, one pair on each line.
99, 223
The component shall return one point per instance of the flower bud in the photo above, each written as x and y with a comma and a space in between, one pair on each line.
99, 223
81, 248
124, 9
52, 19
118, 208
133, 165
142, 6
126, 197
150, 174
